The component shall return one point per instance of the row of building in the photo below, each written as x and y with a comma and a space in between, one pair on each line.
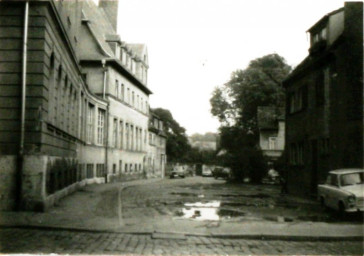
74, 102
321, 128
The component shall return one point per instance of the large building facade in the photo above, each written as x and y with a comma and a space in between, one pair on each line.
74, 105
324, 115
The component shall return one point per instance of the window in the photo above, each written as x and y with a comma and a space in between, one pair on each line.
114, 168
100, 170
69, 23
122, 92
272, 143
334, 180
89, 171
352, 179
90, 123
120, 166
121, 134
100, 126
136, 138
131, 137
51, 89
117, 89
297, 99
319, 36
128, 96
115, 133
155, 123
132, 99
127, 135
126, 168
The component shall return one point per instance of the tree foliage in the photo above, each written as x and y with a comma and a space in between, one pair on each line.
236, 102
177, 143
235, 105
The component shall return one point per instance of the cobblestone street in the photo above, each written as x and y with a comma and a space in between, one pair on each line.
17, 240
139, 217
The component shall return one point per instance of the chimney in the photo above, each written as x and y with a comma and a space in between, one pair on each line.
111, 10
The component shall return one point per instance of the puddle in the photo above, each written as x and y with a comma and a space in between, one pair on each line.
207, 211
201, 211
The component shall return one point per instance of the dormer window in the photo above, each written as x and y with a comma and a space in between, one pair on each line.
318, 36
318, 40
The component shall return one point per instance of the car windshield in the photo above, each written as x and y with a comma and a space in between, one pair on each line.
352, 179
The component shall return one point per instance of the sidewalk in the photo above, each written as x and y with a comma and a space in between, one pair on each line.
86, 210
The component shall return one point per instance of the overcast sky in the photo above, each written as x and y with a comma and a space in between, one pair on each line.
194, 45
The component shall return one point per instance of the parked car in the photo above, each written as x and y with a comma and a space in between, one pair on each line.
272, 177
178, 171
206, 171
343, 190
221, 172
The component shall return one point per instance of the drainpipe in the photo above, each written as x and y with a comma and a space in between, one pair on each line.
23, 103
103, 62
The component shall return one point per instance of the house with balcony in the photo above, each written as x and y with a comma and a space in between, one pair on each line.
324, 102
271, 126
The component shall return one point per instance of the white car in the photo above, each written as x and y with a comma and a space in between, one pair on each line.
206, 171
343, 190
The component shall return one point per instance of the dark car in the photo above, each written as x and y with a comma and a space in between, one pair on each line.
178, 172
221, 172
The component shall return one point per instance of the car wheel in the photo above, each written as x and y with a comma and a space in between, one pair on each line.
341, 210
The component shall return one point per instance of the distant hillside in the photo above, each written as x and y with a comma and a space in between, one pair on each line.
205, 141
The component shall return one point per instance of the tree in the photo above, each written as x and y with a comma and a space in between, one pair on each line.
235, 105
260, 84
177, 143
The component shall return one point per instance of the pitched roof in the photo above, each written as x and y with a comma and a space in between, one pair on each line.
311, 61
94, 27
324, 19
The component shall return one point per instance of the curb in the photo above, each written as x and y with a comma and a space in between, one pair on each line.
164, 235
